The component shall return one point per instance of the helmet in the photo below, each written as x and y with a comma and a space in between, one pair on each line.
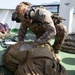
21, 9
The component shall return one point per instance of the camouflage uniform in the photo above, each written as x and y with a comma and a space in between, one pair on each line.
42, 26
61, 32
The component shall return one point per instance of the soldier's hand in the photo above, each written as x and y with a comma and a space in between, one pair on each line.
38, 41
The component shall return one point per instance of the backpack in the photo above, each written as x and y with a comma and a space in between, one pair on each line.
33, 61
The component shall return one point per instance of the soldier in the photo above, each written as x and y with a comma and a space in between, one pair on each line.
38, 20
61, 32
4, 28
38, 59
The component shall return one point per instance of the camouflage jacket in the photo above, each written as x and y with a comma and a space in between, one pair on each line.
61, 33
42, 26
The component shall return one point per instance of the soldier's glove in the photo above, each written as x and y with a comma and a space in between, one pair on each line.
15, 17
39, 41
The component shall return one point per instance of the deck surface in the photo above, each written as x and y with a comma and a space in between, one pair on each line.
68, 61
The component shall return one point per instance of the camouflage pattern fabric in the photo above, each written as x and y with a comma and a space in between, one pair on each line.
61, 33
42, 26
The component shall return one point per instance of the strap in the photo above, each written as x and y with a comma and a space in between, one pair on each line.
29, 13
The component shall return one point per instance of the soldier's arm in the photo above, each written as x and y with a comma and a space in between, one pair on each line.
50, 32
48, 24
60, 37
22, 31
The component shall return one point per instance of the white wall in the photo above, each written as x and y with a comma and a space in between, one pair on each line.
73, 24
66, 11
5, 17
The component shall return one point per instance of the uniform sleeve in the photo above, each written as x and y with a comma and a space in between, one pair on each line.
50, 33
50, 30
60, 37
22, 31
